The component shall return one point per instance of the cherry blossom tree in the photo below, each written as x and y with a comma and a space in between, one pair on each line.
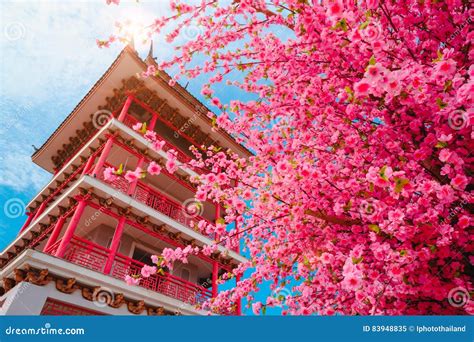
357, 199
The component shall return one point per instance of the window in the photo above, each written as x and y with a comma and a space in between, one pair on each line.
142, 256
185, 274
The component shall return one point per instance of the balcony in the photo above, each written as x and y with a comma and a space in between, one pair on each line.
94, 257
157, 200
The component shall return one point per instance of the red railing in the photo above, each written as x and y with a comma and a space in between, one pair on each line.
53, 248
130, 120
68, 180
94, 257
156, 200
160, 202
166, 284
87, 254
53, 307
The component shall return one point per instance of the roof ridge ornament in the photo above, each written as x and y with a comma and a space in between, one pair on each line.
149, 58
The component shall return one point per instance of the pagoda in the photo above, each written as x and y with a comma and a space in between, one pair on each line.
84, 234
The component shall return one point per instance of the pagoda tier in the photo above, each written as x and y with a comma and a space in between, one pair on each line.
110, 229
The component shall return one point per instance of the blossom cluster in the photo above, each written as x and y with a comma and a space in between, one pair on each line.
360, 121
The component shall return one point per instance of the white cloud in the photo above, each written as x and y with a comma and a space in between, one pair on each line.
19, 173
48, 62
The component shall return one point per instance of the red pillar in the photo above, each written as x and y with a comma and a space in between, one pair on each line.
71, 228
88, 165
239, 302
27, 222
114, 245
40, 210
55, 234
215, 274
103, 156
125, 108
133, 185
152, 124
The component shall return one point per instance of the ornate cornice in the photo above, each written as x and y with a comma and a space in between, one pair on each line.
102, 295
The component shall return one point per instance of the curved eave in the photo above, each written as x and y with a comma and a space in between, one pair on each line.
119, 70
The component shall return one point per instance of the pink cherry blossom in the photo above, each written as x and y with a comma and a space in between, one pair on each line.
359, 122
171, 165
362, 88
147, 271
154, 168
137, 126
446, 68
256, 308
109, 174
150, 135
133, 176
459, 182
132, 280
157, 145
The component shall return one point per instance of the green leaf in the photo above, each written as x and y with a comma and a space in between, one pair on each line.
356, 261
343, 25
441, 144
375, 228
264, 309
347, 206
372, 60
403, 252
364, 25
120, 170
220, 220
306, 261
439, 58
400, 183
440, 103
143, 130
382, 172
448, 85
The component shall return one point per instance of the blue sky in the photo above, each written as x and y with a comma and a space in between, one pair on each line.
48, 61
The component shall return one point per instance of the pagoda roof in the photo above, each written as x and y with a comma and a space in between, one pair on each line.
162, 78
